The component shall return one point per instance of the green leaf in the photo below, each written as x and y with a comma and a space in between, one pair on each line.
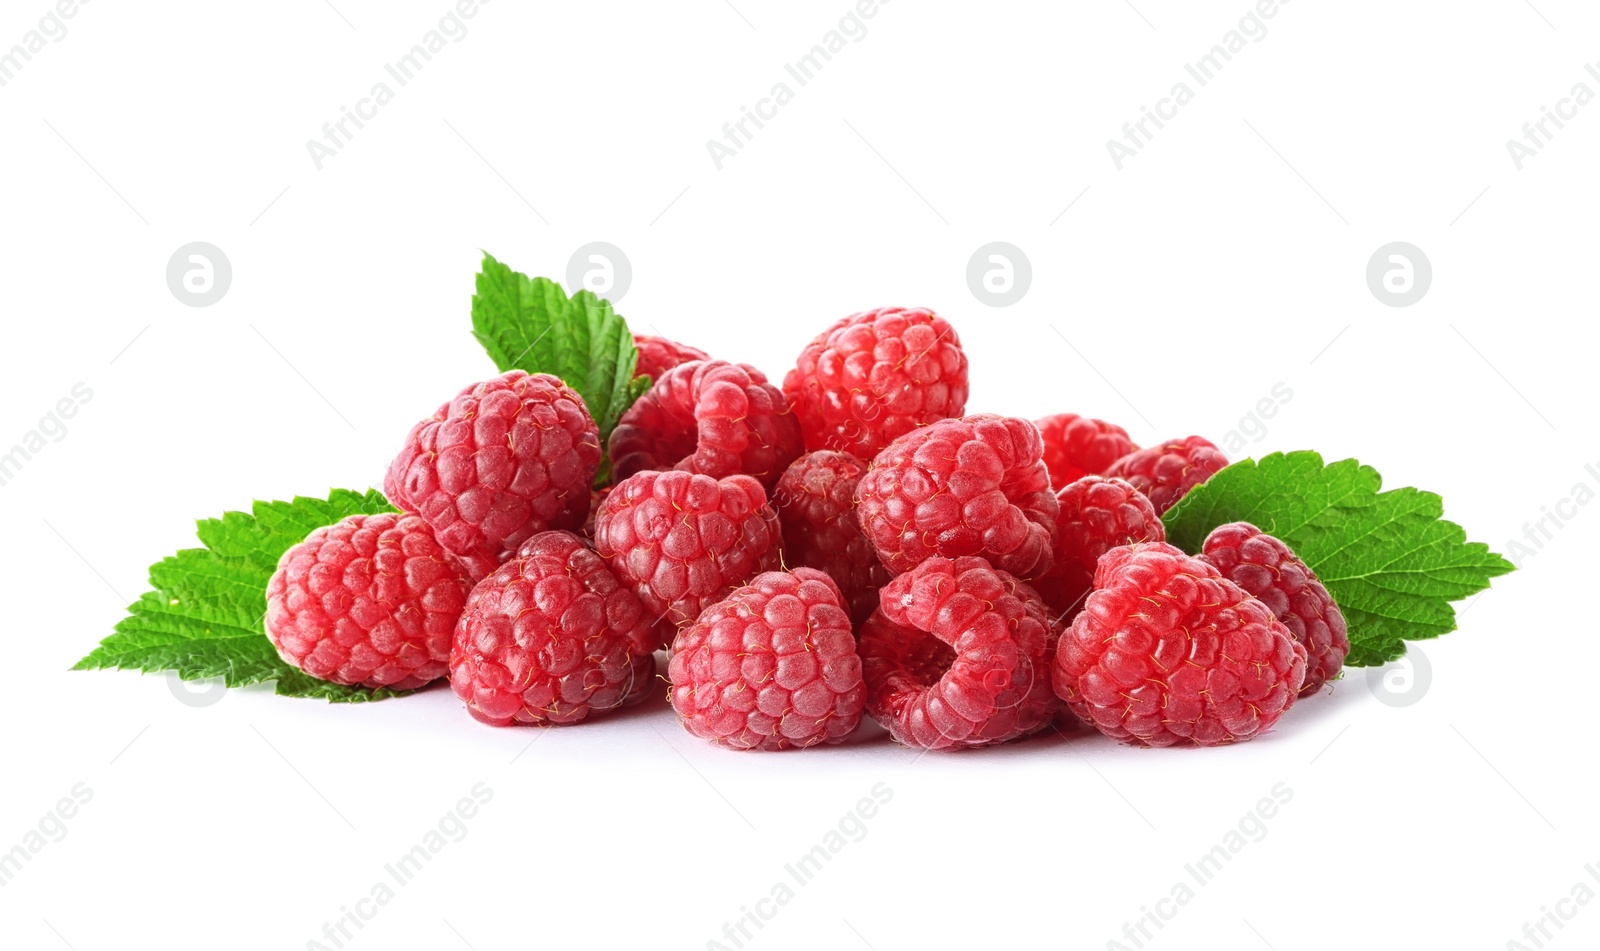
531, 324
297, 683
636, 389
204, 616
1391, 561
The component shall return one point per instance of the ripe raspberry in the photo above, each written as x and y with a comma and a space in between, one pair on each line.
969, 486
1097, 515
681, 541
1167, 472
816, 506
551, 637
504, 460
657, 355
708, 417
875, 376
1265, 567
771, 667
958, 656
1167, 651
1076, 446
369, 601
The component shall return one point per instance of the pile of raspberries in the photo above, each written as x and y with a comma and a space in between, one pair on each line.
850, 542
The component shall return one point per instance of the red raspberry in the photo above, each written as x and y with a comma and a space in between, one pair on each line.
816, 506
681, 541
1167, 651
1097, 515
875, 376
1265, 567
1076, 446
1167, 472
709, 417
958, 656
551, 637
771, 667
969, 486
657, 355
369, 601
504, 460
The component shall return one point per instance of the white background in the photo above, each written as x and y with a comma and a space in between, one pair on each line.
1170, 296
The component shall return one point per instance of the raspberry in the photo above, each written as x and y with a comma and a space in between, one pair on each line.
681, 541
1265, 567
1097, 515
1167, 472
958, 656
551, 637
771, 667
815, 500
369, 601
875, 376
1167, 651
708, 417
504, 460
969, 486
657, 355
1076, 446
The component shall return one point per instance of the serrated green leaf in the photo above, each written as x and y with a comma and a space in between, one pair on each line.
637, 386
531, 324
204, 617
258, 534
1391, 561
636, 389
296, 683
